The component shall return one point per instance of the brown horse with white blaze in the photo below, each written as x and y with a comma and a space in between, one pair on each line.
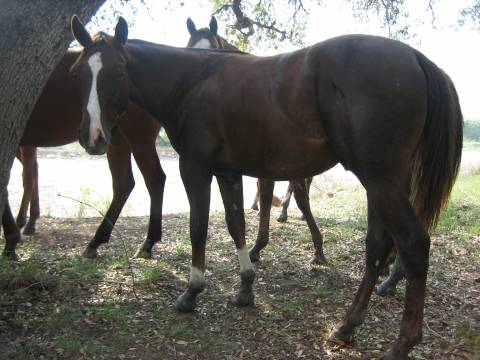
55, 121
375, 105
208, 38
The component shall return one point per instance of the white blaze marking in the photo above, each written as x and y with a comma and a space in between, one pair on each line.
203, 44
196, 277
244, 259
93, 105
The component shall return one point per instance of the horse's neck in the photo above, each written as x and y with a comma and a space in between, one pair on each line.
224, 44
160, 76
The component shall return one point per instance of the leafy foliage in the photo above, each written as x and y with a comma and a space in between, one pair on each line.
471, 14
471, 130
266, 22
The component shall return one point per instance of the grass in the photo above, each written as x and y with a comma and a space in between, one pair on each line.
55, 304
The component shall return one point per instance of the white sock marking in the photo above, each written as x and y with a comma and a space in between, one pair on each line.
196, 277
244, 259
203, 44
93, 105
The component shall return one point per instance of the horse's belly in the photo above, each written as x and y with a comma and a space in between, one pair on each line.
285, 160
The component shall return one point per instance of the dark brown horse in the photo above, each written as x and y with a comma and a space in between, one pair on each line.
375, 105
55, 121
208, 38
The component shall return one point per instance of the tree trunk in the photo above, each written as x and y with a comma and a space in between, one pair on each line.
34, 35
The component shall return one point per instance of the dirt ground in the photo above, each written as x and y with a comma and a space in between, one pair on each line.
54, 304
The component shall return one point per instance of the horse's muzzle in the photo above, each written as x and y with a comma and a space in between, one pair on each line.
98, 148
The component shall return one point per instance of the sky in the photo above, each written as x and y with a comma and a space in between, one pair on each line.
455, 49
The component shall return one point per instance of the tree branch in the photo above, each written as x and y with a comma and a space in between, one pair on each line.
244, 22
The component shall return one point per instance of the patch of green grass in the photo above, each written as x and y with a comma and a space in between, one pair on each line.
182, 250
62, 317
81, 269
320, 292
470, 334
177, 330
152, 275
108, 312
26, 274
461, 219
72, 344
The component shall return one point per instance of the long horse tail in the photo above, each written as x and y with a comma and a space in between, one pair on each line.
436, 161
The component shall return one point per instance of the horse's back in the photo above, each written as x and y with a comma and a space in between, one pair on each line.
57, 114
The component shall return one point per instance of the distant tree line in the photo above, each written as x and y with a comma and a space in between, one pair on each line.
471, 130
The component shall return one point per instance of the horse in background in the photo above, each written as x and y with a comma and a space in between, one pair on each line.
208, 38
375, 105
55, 121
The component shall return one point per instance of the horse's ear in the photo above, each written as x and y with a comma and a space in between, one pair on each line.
121, 32
213, 25
80, 33
192, 29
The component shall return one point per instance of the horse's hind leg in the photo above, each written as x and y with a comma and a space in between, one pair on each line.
378, 246
390, 202
232, 195
119, 161
11, 232
286, 202
389, 284
149, 164
413, 244
308, 184
265, 188
197, 183
301, 197
34, 200
257, 196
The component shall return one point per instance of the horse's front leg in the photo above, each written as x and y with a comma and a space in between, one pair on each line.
11, 232
149, 165
35, 198
232, 194
197, 181
265, 187
119, 161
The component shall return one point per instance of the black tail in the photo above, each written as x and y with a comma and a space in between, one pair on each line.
436, 162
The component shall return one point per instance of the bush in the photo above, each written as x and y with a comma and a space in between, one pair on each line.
471, 130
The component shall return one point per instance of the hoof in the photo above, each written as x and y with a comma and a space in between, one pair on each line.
392, 354
29, 229
254, 256
385, 290
341, 337
21, 223
318, 260
143, 254
254, 207
90, 253
282, 218
244, 299
10, 255
185, 303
